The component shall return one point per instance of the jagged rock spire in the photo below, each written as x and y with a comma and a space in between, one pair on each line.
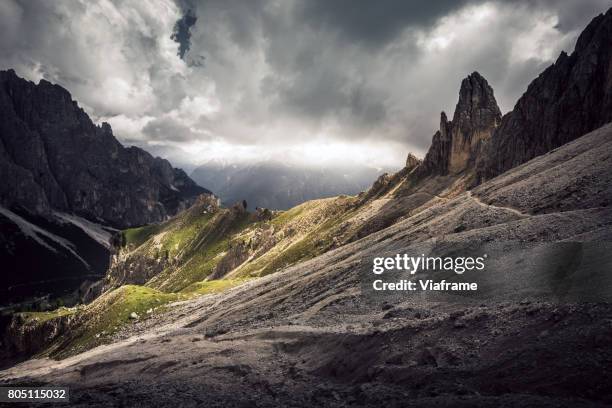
412, 161
456, 145
477, 105
569, 99
475, 118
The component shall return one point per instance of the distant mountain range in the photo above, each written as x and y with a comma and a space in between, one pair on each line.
279, 186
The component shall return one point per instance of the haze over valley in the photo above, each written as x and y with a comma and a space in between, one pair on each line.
280, 186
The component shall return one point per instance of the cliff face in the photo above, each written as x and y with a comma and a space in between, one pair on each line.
570, 98
53, 157
456, 146
24, 337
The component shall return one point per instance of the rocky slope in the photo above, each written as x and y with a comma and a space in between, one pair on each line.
207, 242
569, 99
308, 330
310, 334
54, 157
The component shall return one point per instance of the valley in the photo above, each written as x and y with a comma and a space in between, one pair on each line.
280, 186
202, 303
321, 338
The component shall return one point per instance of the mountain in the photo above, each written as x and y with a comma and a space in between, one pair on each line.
67, 184
277, 307
455, 147
331, 343
54, 157
570, 98
279, 186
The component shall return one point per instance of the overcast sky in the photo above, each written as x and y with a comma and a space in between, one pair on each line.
313, 80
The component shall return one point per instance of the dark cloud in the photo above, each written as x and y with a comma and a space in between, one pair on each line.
238, 19
374, 22
182, 32
256, 76
169, 130
572, 14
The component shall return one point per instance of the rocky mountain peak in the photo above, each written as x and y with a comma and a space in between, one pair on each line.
569, 99
477, 107
443, 119
456, 146
412, 161
54, 158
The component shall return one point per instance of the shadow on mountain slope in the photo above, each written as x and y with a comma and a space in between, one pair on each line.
307, 335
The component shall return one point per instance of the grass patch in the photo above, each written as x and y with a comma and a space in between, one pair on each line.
96, 323
180, 236
180, 230
286, 217
303, 250
195, 269
137, 236
202, 253
41, 317
107, 314
317, 238
213, 286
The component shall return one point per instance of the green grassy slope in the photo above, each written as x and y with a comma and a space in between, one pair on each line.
206, 250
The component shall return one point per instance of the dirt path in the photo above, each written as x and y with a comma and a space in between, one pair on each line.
485, 205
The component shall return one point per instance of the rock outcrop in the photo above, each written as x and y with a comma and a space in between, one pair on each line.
458, 143
412, 161
53, 157
380, 186
24, 337
569, 99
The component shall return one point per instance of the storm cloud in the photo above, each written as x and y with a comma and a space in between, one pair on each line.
182, 32
297, 80
374, 23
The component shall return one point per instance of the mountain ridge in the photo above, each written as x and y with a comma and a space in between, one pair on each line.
54, 157
286, 319
65, 179
570, 98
